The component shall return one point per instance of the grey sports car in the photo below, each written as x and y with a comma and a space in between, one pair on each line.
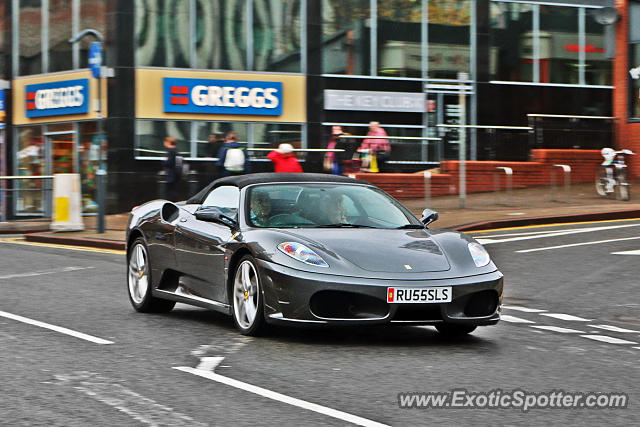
308, 249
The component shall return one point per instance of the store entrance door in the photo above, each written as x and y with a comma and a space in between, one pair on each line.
62, 154
443, 109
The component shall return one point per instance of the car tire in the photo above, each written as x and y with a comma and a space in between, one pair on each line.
452, 330
139, 283
247, 299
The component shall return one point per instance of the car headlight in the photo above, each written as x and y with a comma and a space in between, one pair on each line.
479, 254
302, 253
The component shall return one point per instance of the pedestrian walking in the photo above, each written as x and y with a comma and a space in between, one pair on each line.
376, 150
233, 158
333, 161
173, 165
284, 159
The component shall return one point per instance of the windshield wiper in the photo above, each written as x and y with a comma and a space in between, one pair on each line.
410, 226
346, 225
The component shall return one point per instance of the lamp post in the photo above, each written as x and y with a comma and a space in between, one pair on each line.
95, 63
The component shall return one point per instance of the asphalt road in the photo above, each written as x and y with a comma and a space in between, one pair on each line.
570, 322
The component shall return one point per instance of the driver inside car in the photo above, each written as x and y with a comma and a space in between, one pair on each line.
260, 208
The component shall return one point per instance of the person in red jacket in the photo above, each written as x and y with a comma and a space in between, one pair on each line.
284, 160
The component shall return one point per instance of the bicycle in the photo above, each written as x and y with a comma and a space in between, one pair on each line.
611, 180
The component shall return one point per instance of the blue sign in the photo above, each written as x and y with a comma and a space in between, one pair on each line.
2, 107
222, 96
95, 59
57, 98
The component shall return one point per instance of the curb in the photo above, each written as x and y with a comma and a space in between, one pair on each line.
541, 220
76, 241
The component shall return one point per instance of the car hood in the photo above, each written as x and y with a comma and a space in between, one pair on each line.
380, 250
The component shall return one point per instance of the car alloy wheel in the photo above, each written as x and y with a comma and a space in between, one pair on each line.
139, 282
138, 274
247, 297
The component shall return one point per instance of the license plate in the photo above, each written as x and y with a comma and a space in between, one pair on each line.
419, 295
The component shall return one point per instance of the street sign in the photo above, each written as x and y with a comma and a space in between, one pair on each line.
95, 59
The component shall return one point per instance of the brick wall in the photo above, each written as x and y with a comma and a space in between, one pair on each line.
481, 174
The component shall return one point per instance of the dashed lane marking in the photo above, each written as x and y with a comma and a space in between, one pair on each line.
206, 370
636, 252
558, 329
513, 319
614, 329
569, 317
552, 233
607, 339
524, 251
524, 309
55, 328
41, 273
21, 241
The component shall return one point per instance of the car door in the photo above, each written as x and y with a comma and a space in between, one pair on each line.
201, 245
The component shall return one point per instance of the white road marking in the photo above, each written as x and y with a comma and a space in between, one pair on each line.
208, 364
55, 328
40, 273
554, 233
21, 241
607, 339
513, 319
558, 329
137, 406
525, 309
635, 252
614, 329
566, 317
576, 244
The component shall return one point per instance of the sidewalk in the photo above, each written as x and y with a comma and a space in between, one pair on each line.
482, 212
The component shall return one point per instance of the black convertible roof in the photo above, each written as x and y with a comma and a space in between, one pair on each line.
262, 178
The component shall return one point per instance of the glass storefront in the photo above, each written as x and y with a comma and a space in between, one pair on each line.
209, 135
346, 37
43, 150
634, 60
449, 38
567, 46
219, 35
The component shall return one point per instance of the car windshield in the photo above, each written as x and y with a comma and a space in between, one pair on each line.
325, 205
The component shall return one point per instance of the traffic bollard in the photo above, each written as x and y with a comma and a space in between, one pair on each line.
162, 184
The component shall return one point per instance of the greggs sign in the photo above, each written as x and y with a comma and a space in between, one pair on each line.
222, 96
57, 98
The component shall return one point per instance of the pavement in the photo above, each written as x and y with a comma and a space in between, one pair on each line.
481, 211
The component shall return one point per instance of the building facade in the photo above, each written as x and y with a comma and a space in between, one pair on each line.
286, 71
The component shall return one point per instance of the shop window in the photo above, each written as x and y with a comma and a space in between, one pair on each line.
29, 37
89, 151
345, 37
60, 26
210, 136
29, 194
511, 51
449, 38
276, 35
399, 38
163, 33
635, 80
559, 45
598, 68
150, 137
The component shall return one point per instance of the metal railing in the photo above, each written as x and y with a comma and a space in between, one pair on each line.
37, 202
562, 131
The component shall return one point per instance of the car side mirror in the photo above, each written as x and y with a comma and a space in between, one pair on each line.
428, 216
216, 215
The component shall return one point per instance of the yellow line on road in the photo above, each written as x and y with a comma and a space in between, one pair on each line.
557, 224
21, 241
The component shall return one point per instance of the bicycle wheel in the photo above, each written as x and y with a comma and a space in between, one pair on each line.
601, 179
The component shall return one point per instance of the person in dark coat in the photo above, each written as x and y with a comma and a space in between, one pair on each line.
170, 166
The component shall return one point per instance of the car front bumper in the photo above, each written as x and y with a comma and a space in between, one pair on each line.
293, 296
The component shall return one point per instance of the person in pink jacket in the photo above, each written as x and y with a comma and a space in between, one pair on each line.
284, 160
379, 147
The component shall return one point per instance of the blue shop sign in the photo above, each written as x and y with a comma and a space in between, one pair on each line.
222, 96
2, 107
57, 98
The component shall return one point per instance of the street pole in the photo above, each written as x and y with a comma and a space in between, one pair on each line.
462, 147
101, 173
